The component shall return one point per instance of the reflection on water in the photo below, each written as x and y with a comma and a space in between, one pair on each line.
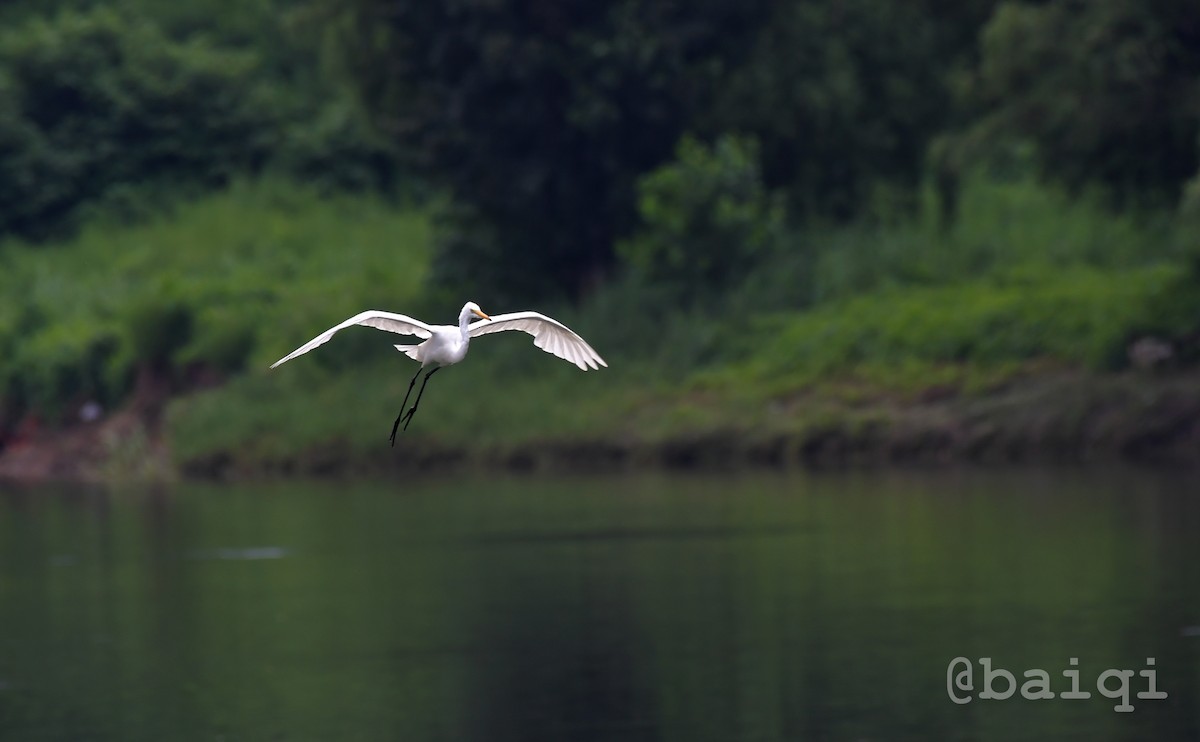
633, 608
249, 552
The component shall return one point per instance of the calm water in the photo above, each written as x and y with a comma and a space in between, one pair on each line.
635, 608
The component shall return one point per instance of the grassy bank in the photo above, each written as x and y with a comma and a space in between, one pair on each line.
884, 335
1008, 334
196, 294
781, 401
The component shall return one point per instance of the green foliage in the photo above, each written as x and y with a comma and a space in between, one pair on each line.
228, 281
1173, 315
707, 218
1005, 230
158, 326
97, 102
538, 119
552, 134
1003, 225
1106, 90
333, 147
1026, 280
222, 340
121, 109
845, 96
903, 336
261, 25
705, 372
540, 122
59, 363
1011, 238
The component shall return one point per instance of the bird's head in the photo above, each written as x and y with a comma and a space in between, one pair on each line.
473, 308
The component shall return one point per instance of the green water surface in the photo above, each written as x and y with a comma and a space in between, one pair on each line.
690, 608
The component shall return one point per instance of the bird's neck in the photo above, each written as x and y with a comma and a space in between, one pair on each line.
464, 320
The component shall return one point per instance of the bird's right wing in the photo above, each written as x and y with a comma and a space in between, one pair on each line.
397, 323
549, 334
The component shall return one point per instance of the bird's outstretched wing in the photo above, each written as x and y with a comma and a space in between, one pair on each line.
397, 323
549, 334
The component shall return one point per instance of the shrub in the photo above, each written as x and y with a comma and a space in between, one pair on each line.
159, 326
334, 149
185, 295
707, 218
91, 103
1081, 316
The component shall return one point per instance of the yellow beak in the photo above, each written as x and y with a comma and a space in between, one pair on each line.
481, 314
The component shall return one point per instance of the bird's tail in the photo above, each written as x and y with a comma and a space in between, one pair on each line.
409, 350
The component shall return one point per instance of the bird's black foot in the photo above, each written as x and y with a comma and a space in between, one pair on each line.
404, 417
395, 427
407, 417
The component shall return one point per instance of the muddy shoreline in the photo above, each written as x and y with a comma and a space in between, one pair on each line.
1059, 418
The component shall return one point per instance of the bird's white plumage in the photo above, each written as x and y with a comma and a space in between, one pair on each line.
398, 323
548, 334
446, 345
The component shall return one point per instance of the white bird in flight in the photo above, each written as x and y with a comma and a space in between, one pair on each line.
446, 345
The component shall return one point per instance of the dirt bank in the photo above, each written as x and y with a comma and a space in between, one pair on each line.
1056, 417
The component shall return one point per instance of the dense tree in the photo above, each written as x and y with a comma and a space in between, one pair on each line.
1109, 92
105, 106
539, 116
95, 104
707, 218
845, 96
539, 119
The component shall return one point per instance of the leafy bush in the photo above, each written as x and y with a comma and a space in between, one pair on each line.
844, 98
707, 218
194, 290
159, 326
1081, 316
538, 120
222, 340
1104, 89
1173, 314
333, 148
58, 365
91, 103
1002, 224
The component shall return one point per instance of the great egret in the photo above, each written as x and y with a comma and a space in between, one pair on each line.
446, 345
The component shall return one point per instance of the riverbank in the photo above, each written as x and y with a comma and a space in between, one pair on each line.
1053, 417
1072, 338
1049, 416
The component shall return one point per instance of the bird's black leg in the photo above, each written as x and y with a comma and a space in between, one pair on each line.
397, 423
408, 416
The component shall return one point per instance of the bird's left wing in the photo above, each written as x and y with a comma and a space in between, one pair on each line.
549, 334
397, 323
